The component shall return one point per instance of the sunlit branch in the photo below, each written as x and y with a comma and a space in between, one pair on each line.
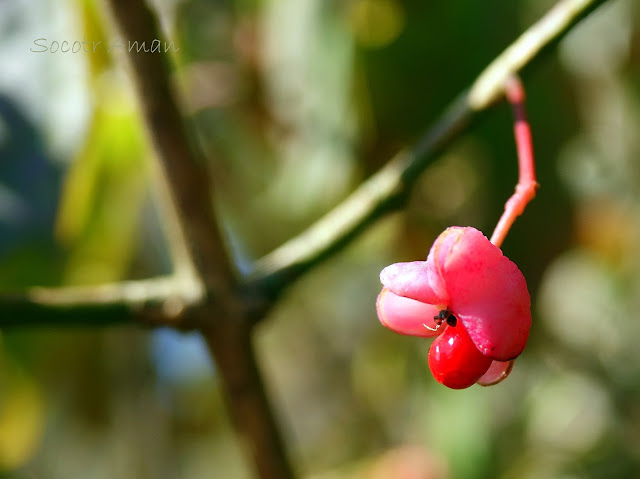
388, 189
155, 301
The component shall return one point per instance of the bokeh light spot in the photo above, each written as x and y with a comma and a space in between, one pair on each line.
376, 23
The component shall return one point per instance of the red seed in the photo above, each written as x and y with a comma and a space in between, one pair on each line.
455, 361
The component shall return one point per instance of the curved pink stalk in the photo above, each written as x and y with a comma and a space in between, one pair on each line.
527, 184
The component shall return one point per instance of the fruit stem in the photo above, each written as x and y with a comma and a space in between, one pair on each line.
527, 184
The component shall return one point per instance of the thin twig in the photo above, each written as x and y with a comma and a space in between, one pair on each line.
159, 301
388, 189
181, 260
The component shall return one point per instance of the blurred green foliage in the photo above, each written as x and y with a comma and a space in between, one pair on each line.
294, 102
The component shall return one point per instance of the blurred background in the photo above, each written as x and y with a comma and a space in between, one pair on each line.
294, 103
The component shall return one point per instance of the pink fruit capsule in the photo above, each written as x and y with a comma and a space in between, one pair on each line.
469, 278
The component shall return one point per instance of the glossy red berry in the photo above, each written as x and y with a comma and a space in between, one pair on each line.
455, 361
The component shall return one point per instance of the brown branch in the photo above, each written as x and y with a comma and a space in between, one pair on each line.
184, 169
389, 188
223, 318
232, 348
